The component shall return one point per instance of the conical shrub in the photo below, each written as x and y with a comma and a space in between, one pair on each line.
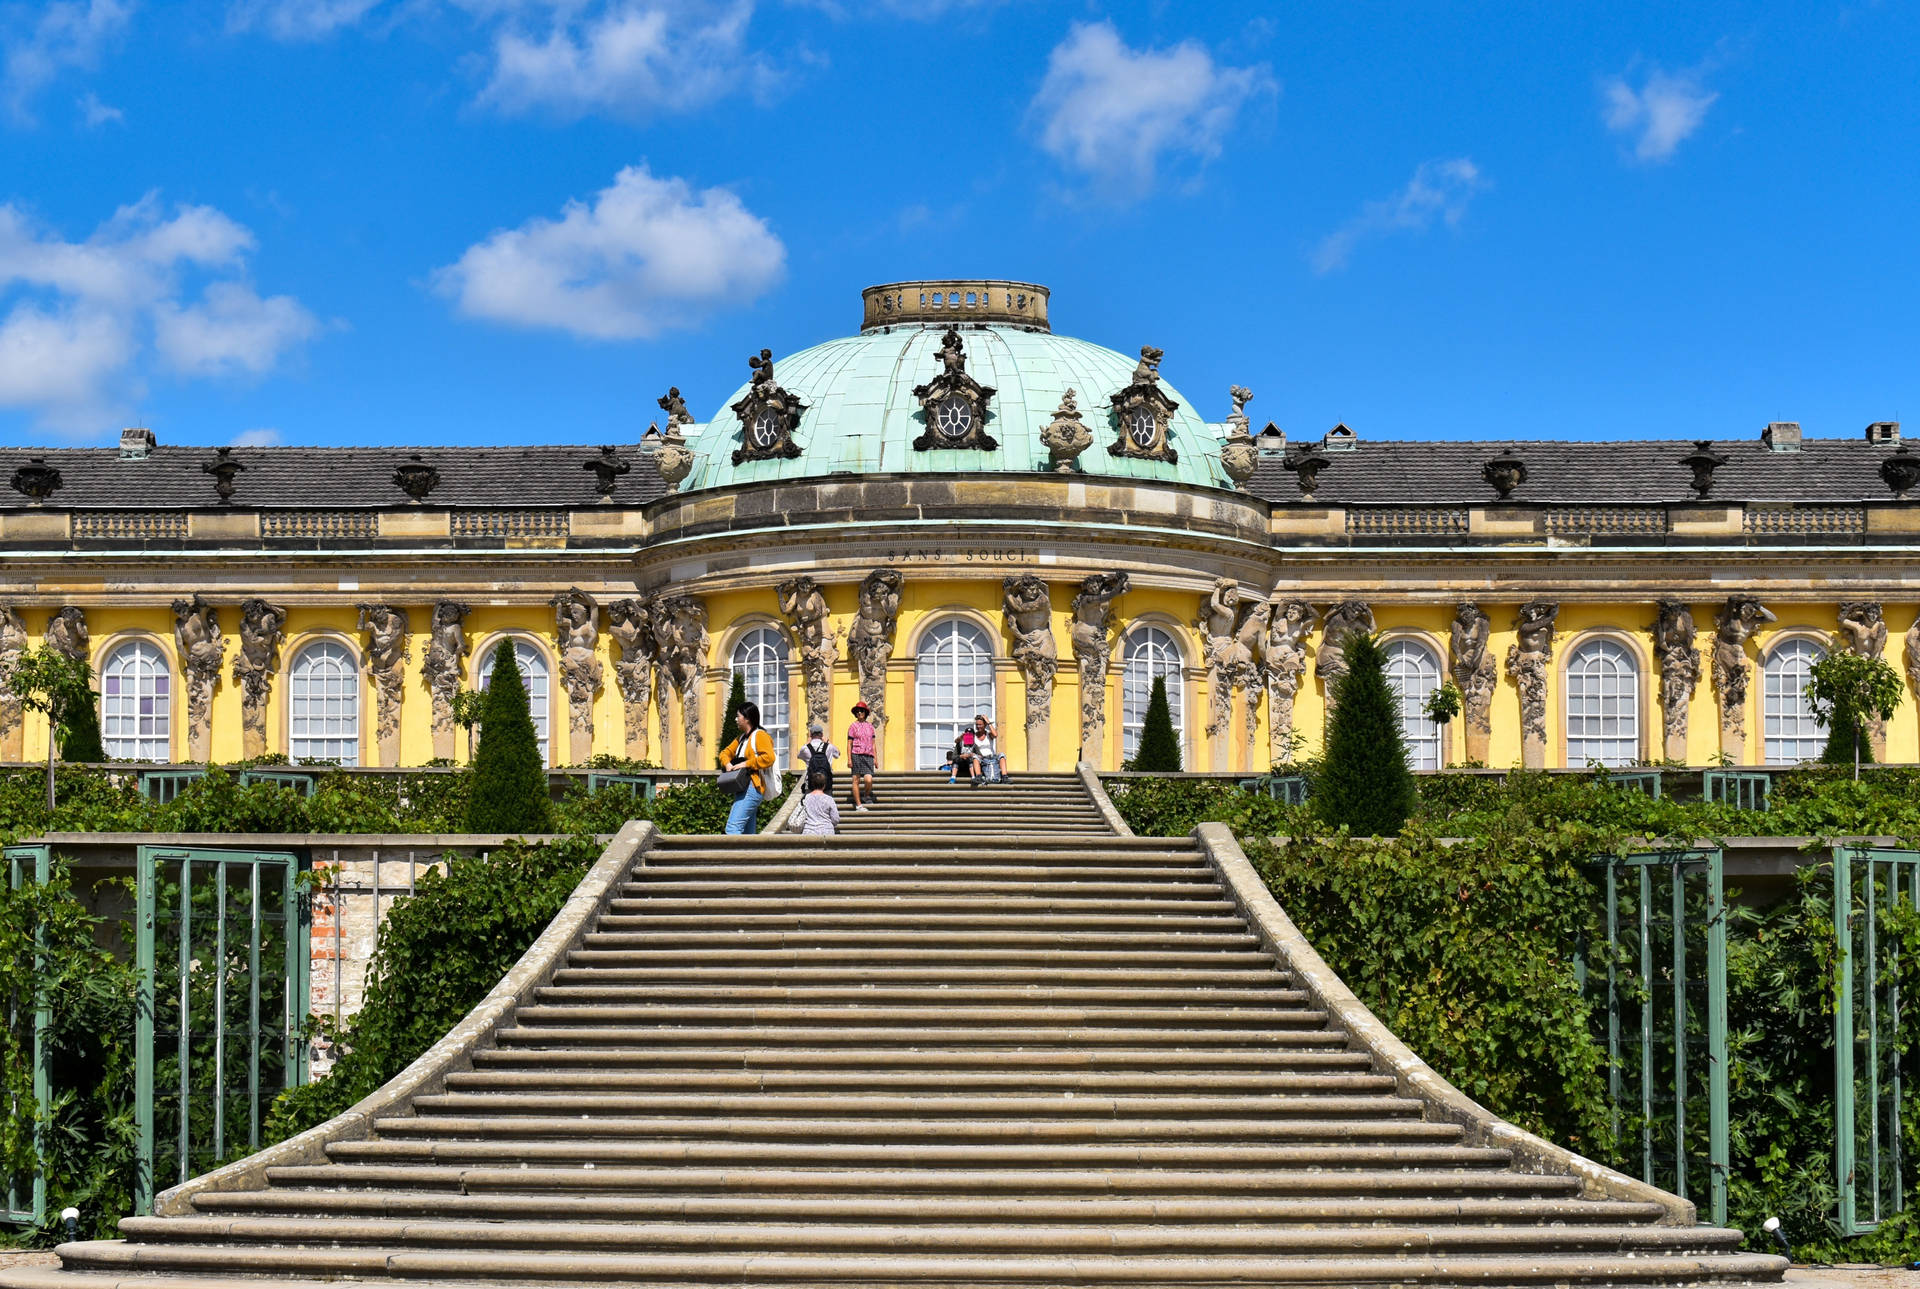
736, 699
1364, 782
509, 779
80, 726
1159, 750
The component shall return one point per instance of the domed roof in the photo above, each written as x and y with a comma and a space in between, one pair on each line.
861, 414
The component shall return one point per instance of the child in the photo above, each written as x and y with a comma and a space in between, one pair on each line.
863, 748
819, 812
962, 757
819, 754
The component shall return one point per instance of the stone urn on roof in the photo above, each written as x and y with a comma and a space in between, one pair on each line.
1239, 454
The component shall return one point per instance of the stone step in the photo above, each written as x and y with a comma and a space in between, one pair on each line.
1025, 1036
1361, 1174
1012, 1106
1196, 890
1188, 1062
532, 1132
1362, 1153
853, 957
650, 876
929, 942
927, 1210
1268, 994
677, 1015
946, 1081
809, 915
328, 1236
928, 975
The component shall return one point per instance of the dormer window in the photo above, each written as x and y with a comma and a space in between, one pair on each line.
954, 404
954, 416
766, 428
1143, 427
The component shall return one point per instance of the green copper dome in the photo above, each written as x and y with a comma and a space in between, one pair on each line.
861, 415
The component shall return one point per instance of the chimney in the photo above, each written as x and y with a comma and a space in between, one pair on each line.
1340, 439
1883, 434
137, 444
1782, 436
1272, 440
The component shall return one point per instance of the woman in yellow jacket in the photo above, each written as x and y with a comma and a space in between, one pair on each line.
754, 750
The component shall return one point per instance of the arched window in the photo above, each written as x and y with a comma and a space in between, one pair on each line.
1603, 705
1414, 672
135, 697
1788, 725
533, 671
324, 713
761, 660
1149, 655
953, 680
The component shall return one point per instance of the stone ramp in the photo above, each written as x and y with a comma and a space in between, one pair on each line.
932, 1058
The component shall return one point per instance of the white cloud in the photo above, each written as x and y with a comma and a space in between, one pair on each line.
96, 114
264, 437
1115, 114
626, 60
1660, 115
65, 35
644, 256
1439, 190
84, 320
297, 19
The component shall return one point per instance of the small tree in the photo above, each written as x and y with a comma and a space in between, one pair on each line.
1847, 691
1159, 750
48, 681
467, 705
1365, 783
736, 699
1443, 704
509, 793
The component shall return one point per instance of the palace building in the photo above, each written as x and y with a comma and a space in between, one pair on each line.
957, 510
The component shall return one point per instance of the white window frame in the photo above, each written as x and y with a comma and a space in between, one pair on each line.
1789, 731
537, 676
761, 657
1602, 684
126, 732
323, 703
1413, 671
953, 681
1150, 651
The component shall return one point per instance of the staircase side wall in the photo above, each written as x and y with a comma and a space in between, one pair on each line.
1444, 1102
453, 1053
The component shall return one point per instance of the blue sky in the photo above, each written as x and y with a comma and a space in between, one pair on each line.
446, 221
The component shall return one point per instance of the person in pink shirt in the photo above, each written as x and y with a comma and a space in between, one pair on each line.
863, 750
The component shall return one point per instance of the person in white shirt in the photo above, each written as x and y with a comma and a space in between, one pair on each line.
986, 750
819, 754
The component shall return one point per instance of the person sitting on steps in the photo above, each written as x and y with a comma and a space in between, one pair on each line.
961, 757
991, 761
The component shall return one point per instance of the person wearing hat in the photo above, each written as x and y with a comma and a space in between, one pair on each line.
863, 749
819, 754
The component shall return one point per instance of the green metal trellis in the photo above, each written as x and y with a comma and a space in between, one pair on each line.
642, 784
162, 786
1868, 883
26, 1198
1656, 1012
1746, 789
300, 781
1289, 789
252, 982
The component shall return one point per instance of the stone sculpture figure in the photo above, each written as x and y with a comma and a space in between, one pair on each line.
1475, 674
871, 641
197, 639
262, 626
1863, 628
1527, 659
1028, 606
1674, 634
1092, 640
1232, 632
387, 650
631, 625
1735, 624
1913, 656
804, 605
576, 627
443, 667
1284, 662
680, 633
67, 633
13, 642
1863, 631
1340, 622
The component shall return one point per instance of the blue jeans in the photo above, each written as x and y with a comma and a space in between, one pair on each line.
744, 818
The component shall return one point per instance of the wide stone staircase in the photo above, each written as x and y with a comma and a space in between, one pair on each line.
1038, 805
924, 1053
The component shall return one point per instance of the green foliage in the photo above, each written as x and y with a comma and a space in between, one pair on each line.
509, 792
1365, 784
79, 730
87, 1125
1443, 704
1159, 750
438, 954
1175, 807
736, 699
1847, 691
